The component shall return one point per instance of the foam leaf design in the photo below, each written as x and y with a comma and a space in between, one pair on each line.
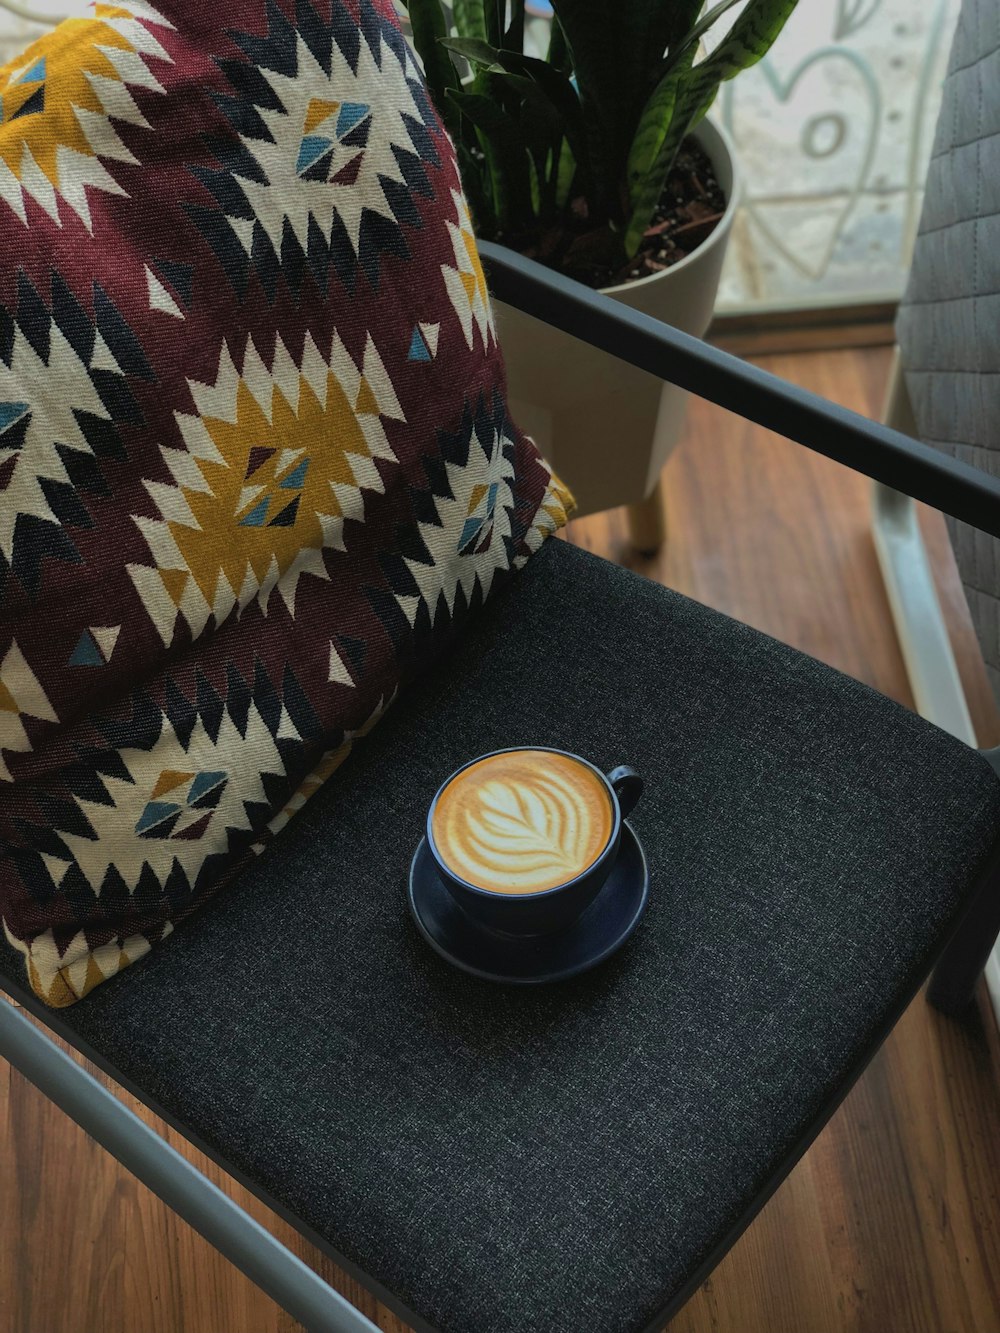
530, 828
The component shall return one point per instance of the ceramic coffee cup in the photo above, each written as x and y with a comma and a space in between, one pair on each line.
521, 911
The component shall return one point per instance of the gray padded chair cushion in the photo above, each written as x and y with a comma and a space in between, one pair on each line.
948, 327
562, 1159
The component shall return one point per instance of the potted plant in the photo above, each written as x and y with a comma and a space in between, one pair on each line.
597, 160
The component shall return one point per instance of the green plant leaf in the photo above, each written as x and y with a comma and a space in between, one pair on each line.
551, 97
750, 38
533, 101
558, 53
494, 11
616, 52
429, 28
535, 185
563, 97
475, 51
543, 131
645, 192
678, 19
654, 126
470, 18
689, 43
505, 150
565, 175
475, 177
514, 36
540, 123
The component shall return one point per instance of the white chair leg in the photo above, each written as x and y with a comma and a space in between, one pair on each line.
916, 612
923, 635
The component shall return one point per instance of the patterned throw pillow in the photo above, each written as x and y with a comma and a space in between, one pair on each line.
255, 459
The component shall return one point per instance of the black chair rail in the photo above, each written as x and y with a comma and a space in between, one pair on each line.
865, 446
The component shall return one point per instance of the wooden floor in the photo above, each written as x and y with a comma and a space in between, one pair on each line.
890, 1224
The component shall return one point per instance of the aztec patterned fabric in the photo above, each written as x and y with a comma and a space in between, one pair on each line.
255, 459
948, 326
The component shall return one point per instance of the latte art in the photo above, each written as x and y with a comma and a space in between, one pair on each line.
522, 822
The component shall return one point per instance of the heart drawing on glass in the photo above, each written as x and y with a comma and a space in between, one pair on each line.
807, 143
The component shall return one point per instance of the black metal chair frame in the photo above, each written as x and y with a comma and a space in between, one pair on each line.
865, 446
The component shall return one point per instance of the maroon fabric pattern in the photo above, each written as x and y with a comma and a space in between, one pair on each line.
255, 458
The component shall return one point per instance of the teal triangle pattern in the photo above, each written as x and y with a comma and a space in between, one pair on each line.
155, 813
351, 114
469, 531
35, 74
257, 515
296, 479
86, 652
311, 149
10, 412
419, 351
203, 783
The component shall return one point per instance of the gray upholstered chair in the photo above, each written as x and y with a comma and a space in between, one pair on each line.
946, 379
575, 1156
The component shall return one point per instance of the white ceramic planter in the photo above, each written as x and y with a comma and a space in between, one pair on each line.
605, 427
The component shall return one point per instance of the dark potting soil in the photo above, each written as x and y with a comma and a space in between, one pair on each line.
690, 206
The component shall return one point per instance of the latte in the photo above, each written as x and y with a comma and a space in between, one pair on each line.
522, 822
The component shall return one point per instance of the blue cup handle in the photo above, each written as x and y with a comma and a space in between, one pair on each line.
627, 786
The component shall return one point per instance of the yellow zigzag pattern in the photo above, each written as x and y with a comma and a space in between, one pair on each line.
274, 463
79, 75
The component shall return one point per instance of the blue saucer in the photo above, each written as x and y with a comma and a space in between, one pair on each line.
595, 935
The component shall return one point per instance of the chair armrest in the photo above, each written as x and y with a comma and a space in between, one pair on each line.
866, 446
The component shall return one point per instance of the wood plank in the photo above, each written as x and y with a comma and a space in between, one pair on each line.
891, 1221
762, 334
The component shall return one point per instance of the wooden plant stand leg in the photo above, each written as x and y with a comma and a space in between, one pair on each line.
647, 527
